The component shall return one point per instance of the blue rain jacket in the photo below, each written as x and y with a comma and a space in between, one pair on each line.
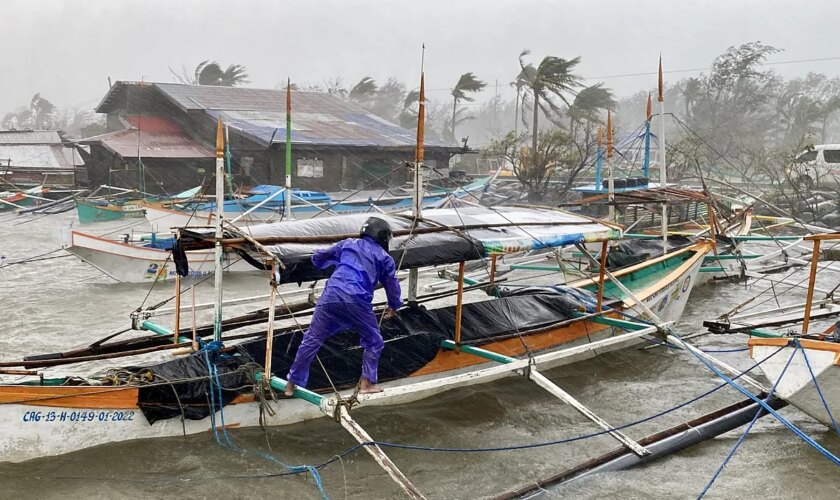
359, 264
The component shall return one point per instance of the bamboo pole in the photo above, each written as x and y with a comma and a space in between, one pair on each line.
601, 273
459, 306
815, 259
194, 333
177, 328
343, 417
269, 339
493, 270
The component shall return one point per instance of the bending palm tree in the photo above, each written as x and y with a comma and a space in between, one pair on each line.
588, 102
467, 84
551, 79
210, 73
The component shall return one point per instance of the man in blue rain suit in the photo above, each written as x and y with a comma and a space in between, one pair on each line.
346, 303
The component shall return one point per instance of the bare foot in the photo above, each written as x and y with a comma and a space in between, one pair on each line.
365, 387
290, 389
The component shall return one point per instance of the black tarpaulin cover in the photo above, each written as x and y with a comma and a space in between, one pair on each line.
479, 232
412, 340
182, 385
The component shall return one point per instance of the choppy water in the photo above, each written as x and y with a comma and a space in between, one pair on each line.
61, 303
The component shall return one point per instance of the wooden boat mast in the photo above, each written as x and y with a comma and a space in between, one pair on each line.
219, 252
610, 176
663, 177
288, 196
416, 211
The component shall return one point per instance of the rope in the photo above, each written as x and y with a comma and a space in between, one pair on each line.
833, 458
743, 436
542, 444
819, 391
216, 392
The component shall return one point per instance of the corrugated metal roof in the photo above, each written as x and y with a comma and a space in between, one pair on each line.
37, 155
318, 118
29, 137
157, 137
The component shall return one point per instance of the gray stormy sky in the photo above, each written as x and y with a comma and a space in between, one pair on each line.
67, 49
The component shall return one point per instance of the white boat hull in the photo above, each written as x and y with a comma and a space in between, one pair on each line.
797, 385
135, 264
30, 431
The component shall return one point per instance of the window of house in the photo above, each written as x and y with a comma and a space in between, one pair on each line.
831, 155
310, 168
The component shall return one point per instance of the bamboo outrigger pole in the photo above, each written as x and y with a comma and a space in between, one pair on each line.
219, 251
663, 176
418, 176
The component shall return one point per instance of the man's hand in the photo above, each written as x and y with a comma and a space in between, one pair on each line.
389, 313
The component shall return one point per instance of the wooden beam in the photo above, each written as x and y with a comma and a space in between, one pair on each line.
269, 337
812, 280
601, 273
538, 378
459, 306
177, 308
354, 429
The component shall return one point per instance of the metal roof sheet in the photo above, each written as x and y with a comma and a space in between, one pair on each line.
317, 118
37, 155
157, 137
29, 137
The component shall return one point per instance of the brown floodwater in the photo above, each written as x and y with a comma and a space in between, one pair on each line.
62, 303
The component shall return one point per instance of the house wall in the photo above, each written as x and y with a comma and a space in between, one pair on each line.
159, 175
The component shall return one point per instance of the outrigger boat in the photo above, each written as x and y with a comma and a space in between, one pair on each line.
548, 325
520, 329
148, 260
120, 203
803, 366
267, 203
11, 200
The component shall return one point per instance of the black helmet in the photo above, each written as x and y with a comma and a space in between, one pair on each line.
377, 229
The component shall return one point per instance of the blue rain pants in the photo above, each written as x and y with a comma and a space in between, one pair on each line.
346, 303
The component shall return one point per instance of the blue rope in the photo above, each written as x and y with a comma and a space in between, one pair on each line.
819, 391
769, 410
386, 444
746, 431
216, 393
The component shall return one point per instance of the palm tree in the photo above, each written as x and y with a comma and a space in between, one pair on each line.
589, 101
43, 111
364, 92
467, 84
210, 73
553, 78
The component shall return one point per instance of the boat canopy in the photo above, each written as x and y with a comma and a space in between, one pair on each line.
441, 236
